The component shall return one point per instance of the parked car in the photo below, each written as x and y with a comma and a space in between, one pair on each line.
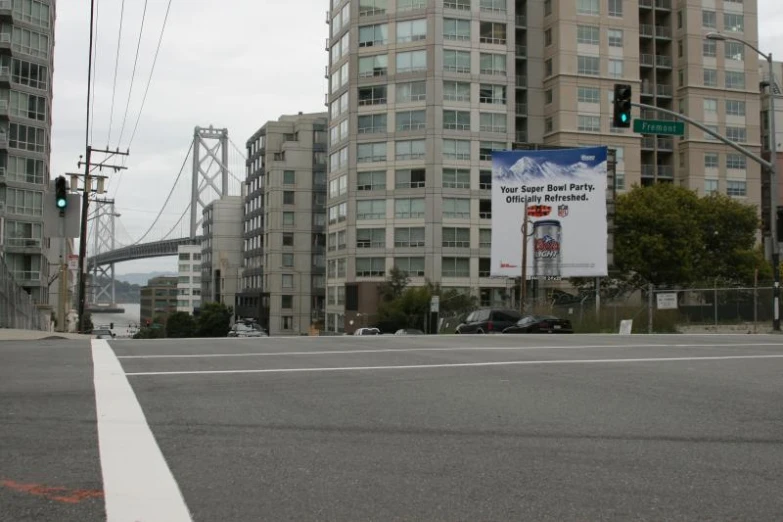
247, 330
488, 320
103, 333
540, 324
367, 331
408, 331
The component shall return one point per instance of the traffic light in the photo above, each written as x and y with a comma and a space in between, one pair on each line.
622, 105
61, 193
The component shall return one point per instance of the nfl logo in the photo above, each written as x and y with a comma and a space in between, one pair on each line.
562, 210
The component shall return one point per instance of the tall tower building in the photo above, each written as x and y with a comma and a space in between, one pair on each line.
422, 91
26, 68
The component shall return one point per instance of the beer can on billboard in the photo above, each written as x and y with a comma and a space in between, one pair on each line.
547, 248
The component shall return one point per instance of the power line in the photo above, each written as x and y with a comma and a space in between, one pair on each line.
116, 66
95, 50
133, 74
167, 197
152, 71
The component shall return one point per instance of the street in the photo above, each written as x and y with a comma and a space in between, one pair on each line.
577, 427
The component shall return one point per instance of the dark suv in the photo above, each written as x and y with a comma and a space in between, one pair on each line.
488, 320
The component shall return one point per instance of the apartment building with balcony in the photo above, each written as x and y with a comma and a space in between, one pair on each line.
26, 63
188, 278
420, 92
283, 278
221, 250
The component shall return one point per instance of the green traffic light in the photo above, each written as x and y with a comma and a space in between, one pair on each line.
624, 118
61, 203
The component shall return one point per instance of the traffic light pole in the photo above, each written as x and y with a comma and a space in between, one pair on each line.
770, 166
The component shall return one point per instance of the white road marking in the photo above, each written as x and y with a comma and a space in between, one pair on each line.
459, 365
437, 349
137, 482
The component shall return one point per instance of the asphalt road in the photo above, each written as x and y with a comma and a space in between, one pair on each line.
402, 428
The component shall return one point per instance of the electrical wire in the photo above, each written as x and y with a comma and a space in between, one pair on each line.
95, 51
133, 74
116, 67
152, 71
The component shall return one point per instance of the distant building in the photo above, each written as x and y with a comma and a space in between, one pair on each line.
283, 281
221, 250
189, 278
158, 298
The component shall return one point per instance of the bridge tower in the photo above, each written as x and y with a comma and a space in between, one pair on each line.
209, 145
103, 241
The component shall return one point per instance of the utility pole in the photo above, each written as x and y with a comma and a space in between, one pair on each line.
89, 166
523, 281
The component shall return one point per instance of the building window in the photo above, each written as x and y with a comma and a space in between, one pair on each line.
288, 259
372, 180
372, 7
710, 186
709, 48
456, 91
456, 120
371, 152
493, 64
370, 267
616, 68
463, 5
615, 37
371, 209
548, 124
288, 239
411, 30
456, 29
589, 65
736, 161
288, 219
710, 137
409, 5
289, 177
375, 95
710, 106
286, 322
734, 23
373, 66
708, 19
548, 96
588, 34
411, 61
410, 149
410, 178
497, 6
548, 37
492, 122
456, 149
492, 33
494, 94
411, 91
589, 123
711, 160
287, 280
485, 238
616, 8
371, 35
734, 51
371, 238
735, 80
409, 237
735, 108
736, 188
710, 77
548, 67
588, 7
409, 208
456, 61
25, 137
288, 197
589, 95
456, 237
286, 302
456, 178
413, 266
486, 148
456, 208
455, 267
410, 120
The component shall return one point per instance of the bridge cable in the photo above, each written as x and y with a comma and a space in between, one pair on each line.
187, 208
162, 208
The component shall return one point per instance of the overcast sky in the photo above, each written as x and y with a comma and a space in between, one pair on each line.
230, 63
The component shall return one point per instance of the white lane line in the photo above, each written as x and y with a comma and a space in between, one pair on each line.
459, 365
137, 482
439, 349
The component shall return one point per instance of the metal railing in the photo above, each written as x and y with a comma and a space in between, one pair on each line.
17, 309
647, 60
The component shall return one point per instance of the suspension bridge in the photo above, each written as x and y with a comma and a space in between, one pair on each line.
215, 161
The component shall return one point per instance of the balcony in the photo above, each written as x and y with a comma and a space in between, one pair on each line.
520, 20
647, 90
665, 5
521, 109
4, 108
648, 170
521, 136
645, 4
646, 30
23, 243
662, 60
665, 171
521, 51
521, 80
5, 76
665, 144
3, 140
646, 60
5, 8
648, 143
26, 277
664, 90
663, 32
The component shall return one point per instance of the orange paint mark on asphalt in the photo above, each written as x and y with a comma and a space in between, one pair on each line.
59, 494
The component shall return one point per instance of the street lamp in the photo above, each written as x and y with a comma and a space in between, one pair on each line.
773, 177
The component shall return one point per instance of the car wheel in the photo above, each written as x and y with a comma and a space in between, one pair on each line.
479, 331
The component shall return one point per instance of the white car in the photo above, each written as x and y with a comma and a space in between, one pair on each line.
367, 331
247, 330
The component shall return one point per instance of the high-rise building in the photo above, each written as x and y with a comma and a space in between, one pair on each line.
283, 281
158, 299
221, 250
188, 278
26, 68
422, 91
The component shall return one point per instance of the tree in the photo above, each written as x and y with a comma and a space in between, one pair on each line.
393, 287
180, 324
408, 310
667, 235
214, 320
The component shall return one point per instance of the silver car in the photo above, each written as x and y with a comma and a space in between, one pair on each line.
247, 330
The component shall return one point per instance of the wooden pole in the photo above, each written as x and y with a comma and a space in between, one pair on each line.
523, 282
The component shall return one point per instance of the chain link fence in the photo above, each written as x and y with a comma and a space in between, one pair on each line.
17, 309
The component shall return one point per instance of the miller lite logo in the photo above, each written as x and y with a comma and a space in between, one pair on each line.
562, 210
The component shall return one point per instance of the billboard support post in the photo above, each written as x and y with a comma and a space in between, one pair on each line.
523, 282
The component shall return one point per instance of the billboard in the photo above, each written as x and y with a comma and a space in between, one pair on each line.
565, 192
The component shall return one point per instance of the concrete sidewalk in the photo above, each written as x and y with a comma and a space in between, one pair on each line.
11, 334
